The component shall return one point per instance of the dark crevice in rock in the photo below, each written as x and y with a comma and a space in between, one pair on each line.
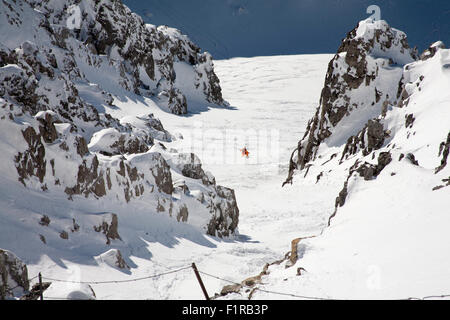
444, 150
411, 158
349, 72
370, 138
90, 180
31, 162
110, 230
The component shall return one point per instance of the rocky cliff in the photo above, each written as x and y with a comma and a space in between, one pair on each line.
363, 79
367, 118
13, 276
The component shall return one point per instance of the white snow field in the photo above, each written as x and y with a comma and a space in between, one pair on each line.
271, 98
374, 249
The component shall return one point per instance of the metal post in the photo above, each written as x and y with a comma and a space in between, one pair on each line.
200, 281
41, 292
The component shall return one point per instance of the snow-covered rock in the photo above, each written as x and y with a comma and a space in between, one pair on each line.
107, 36
363, 78
142, 126
112, 142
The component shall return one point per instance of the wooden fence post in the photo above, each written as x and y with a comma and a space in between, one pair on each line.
41, 291
200, 281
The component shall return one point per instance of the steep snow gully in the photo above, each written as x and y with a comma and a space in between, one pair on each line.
270, 217
107, 203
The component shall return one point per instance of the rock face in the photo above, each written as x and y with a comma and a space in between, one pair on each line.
57, 83
32, 161
13, 276
444, 150
114, 259
370, 138
379, 105
431, 51
109, 227
363, 77
144, 56
111, 142
226, 213
189, 165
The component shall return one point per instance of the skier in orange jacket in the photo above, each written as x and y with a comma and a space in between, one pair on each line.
245, 152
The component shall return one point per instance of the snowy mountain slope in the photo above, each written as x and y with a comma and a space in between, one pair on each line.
266, 224
249, 28
107, 36
144, 242
387, 236
70, 173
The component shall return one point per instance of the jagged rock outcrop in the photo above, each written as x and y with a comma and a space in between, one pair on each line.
35, 292
431, 51
89, 181
109, 227
362, 79
113, 258
144, 56
251, 284
444, 151
161, 173
13, 276
111, 142
370, 138
189, 165
222, 202
390, 165
226, 213
374, 108
369, 171
45, 221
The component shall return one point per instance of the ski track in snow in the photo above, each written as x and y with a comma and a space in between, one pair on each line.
266, 93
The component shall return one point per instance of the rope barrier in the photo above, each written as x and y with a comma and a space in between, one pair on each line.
18, 286
211, 276
267, 291
118, 281
307, 297
294, 295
